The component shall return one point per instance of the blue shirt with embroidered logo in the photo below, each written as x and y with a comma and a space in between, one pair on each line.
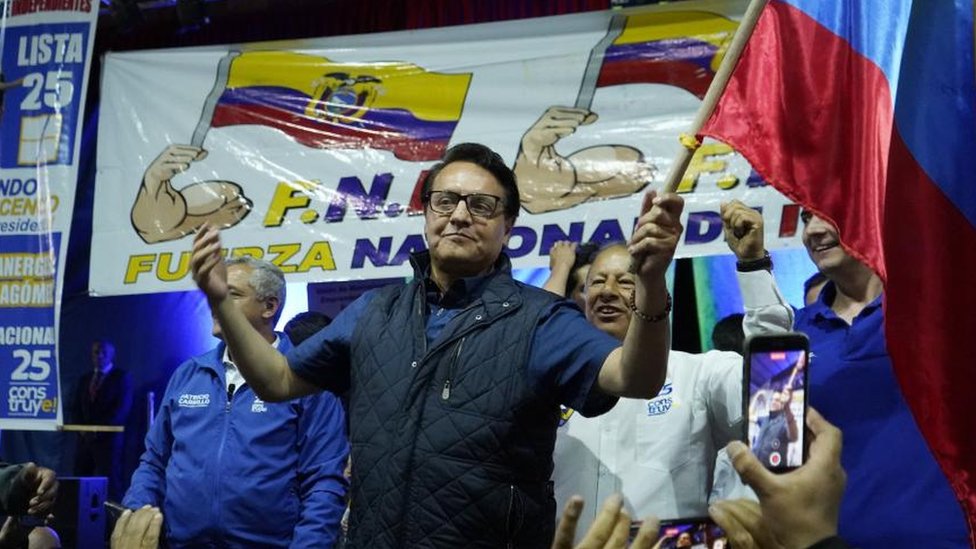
896, 493
233, 471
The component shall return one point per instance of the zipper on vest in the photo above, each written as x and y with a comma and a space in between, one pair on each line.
446, 392
421, 305
508, 517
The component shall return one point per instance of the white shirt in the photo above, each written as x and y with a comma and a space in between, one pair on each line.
767, 311
658, 453
233, 376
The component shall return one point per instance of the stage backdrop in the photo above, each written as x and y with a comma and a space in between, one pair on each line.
311, 153
46, 52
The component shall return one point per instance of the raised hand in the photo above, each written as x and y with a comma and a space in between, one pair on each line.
610, 530
656, 236
743, 228
207, 263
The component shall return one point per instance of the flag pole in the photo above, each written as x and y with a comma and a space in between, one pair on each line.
689, 142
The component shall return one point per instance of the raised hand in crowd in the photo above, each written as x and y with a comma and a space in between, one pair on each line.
31, 489
656, 235
743, 228
138, 529
610, 530
796, 510
562, 257
209, 270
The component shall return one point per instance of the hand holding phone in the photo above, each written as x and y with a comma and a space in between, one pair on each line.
776, 398
796, 509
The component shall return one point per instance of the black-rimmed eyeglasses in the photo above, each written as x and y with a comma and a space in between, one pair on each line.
479, 205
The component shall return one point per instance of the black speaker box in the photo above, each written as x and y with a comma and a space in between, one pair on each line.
79, 513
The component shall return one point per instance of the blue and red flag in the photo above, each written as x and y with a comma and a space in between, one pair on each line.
863, 111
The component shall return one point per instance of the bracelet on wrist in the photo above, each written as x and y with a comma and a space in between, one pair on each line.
649, 318
765, 263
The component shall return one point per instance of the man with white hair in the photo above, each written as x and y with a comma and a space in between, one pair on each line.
231, 470
659, 453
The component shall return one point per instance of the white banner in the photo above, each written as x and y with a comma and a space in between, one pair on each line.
46, 53
311, 153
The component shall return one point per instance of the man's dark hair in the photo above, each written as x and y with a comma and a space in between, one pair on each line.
584, 256
727, 335
304, 325
487, 159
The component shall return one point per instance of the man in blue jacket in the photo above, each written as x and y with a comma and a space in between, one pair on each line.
227, 468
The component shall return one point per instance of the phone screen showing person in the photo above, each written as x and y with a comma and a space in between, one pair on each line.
696, 533
776, 398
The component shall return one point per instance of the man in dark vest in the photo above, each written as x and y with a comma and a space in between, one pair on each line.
456, 377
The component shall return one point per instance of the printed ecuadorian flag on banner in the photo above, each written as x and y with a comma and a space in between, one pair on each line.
682, 48
393, 106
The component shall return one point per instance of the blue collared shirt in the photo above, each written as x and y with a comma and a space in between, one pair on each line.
896, 494
566, 356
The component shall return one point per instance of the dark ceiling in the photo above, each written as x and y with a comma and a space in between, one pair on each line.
131, 24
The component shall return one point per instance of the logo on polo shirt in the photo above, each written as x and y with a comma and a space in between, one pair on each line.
194, 401
564, 414
258, 405
662, 403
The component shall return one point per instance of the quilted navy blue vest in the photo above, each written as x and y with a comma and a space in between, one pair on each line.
450, 446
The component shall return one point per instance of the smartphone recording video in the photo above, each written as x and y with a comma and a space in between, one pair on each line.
777, 398
694, 533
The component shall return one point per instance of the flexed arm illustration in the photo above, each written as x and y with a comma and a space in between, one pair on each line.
549, 181
161, 212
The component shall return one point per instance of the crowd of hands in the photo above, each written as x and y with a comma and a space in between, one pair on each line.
795, 510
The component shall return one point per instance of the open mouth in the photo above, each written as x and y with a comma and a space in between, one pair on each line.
825, 247
608, 311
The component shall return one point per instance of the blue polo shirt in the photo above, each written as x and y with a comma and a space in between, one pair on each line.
896, 494
565, 359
